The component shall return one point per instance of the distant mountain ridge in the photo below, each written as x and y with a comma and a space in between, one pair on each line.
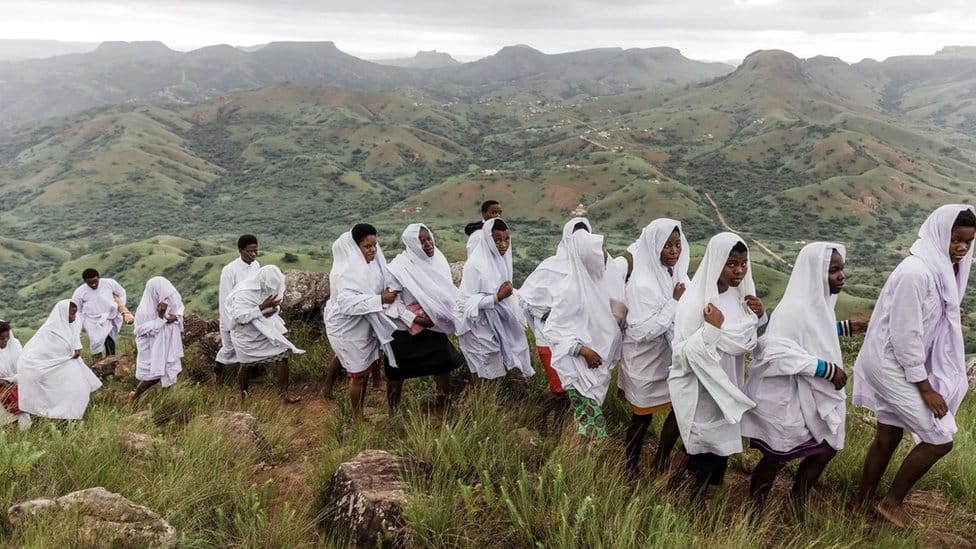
432, 59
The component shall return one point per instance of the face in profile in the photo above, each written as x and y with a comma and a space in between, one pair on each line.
835, 273
72, 312
426, 242
4, 339
502, 241
368, 247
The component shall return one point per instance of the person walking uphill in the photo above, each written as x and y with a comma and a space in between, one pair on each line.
101, 305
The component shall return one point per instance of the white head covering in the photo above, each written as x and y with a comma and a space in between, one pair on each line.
167, 347
268, 281
650, 284
55, 341
350, 270
492, 267
539, 286
932, 247
428, 279
8, 359
703, 290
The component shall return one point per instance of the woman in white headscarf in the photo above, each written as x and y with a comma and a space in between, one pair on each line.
911, 370
158, 331
797, 378
660, 257
52, 380
355, 319
10, 349
422, 278
715, 326
583, 333
490, 325
258, 332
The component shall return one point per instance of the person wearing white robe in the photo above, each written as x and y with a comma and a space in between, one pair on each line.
658, 280
911, 369
10, 349
584, 334
241, 268
258, 332
99, 301
355, 319
424, 306
490, 324
715, 326
797, 378
158, 331
52, 380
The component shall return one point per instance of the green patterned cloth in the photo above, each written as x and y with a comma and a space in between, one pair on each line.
590, 421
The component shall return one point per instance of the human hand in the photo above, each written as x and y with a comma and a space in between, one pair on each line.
171, 319
840, 378
679, 290
270, 301
935, 402
755, 305
713, 315
592, 359
388, 296
505, 290
859, 326
161, 309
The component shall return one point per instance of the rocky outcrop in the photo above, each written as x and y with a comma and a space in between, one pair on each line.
364, 500
107, 519
241, 428
457, 268
114, 365
305, 294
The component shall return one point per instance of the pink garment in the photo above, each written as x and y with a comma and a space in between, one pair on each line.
416, 309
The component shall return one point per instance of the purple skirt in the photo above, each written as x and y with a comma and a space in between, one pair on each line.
808, 448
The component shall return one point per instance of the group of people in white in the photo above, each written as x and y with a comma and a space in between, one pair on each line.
681, 343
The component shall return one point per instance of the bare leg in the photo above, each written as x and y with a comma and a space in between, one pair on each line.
918, 462
377, 375
634, 442
394, 391
808, 473
332, 373
357, 394
281, 375
886, 439
141, 387
762, 480
669, 437
243, 379
443, 384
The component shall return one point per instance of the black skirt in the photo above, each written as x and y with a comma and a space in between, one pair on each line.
425, 354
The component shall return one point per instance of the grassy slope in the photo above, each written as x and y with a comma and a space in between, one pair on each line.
487, 486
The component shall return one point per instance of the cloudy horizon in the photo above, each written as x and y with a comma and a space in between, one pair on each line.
717, 30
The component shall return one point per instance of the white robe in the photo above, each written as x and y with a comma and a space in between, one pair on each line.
581, 317
231, 275
159, 344
355, 322
50, 381
491, 333
915, 334
9, 356
792, 405
536, 294
422, 280
650, 318
99, 312
707, 369
254, 336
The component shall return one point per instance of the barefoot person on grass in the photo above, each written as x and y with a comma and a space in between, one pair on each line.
101, 306
355, 319
797, 376
660, 257
158, 331
258, 333
911, 370
715, 327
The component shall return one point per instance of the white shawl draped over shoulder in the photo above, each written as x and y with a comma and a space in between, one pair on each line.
707, 363
792, 405
651, 307
581, 316
915, 333
256, 337
98, 312
492, 335
427, 279
354, 316
50, 381
536, 294
159, 344
9, 356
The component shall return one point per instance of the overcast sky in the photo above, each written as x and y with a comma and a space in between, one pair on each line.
701, 29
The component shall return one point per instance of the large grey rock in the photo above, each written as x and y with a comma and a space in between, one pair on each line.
241, 428
971, 371
305, 294
114, 365
365, 498
457, 268
107, 519
194, 329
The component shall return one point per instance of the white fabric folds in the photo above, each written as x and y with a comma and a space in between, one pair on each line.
159, 343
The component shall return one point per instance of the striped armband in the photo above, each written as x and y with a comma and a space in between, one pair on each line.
826, 369
844, 328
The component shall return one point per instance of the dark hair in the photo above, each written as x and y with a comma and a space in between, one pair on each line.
740, 247
246, 240
580, 227
676, 230
89, 273
4, 326
499, 225
361, 231
965, 219
487, 204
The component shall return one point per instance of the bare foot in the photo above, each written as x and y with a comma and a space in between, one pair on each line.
895, 513
290, 399
327, 392
130, 397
